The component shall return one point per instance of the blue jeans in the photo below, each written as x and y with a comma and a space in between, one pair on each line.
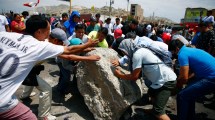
63, 79
186, 98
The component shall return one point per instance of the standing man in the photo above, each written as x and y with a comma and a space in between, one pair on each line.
206, 40
109, 25
18, 55
202, 65
117, 25
71, 23
133, 27
98, 21
60, 24
25, 16
4, 25
93, 26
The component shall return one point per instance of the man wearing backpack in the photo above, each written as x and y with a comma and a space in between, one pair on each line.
148, 43
162, 78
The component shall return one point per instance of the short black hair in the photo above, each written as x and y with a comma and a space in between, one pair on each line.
174, 44
154, 37
34, 23
64, 15
117, 19
109, 40
159, 32
104, 31
135, 22
15, 14
98, 15
25, 13
108, 19
79, 26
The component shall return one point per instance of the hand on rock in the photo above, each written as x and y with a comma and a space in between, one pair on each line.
115, 62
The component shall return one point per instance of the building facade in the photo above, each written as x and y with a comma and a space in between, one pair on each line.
136, 12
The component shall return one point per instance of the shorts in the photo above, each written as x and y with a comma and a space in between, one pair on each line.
19, 112
161, 96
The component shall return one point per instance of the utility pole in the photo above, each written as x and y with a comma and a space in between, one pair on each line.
127, 6
110, 8
70, 7
153, 16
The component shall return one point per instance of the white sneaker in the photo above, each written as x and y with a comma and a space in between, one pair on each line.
31, 95
48, 117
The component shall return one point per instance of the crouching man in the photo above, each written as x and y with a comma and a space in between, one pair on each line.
161, 77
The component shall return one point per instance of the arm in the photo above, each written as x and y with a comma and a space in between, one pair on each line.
80, 58
19, 27
88, 49
183, 76
133, 76
79, 48
7, 28
122, 61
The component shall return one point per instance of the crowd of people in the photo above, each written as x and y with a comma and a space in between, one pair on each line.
26, 41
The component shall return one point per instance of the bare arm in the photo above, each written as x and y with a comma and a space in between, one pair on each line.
183, 76
133, 76
7, 28
80, 58
79, 48
18, 27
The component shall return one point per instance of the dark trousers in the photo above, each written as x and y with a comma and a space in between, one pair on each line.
186, 98
64, 79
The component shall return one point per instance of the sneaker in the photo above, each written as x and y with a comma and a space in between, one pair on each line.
48, 117
31, 95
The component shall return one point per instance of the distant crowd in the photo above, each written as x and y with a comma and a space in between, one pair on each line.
170, 60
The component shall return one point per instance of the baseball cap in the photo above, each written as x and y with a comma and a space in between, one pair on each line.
93, 19
117, 33
60, 35
75, 41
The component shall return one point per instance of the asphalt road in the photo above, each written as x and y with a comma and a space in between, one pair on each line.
72, 107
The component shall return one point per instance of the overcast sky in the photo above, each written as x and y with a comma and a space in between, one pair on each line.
172, 9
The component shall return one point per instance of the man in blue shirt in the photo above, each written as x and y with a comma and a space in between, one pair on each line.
202, 64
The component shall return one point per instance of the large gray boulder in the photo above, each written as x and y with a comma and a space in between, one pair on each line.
106, 96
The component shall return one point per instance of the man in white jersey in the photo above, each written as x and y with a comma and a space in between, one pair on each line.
18, 54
